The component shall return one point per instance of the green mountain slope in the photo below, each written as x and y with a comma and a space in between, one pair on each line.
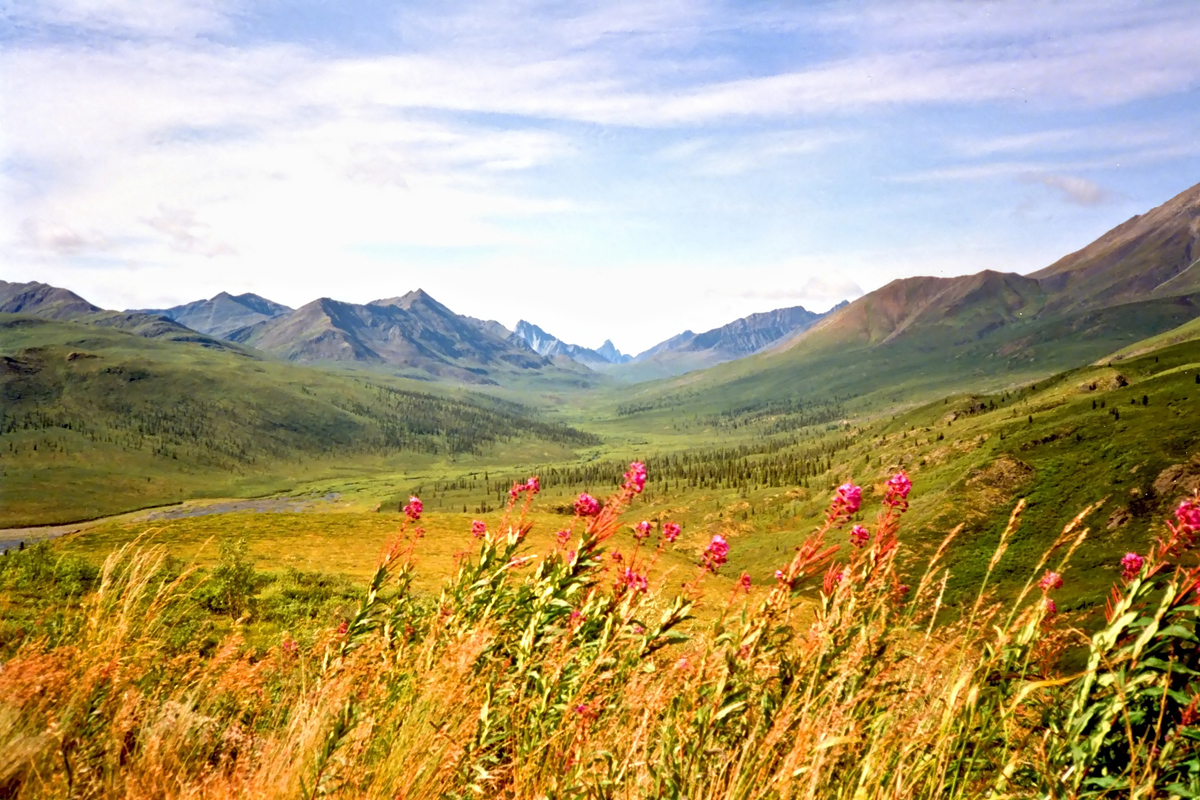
96, 420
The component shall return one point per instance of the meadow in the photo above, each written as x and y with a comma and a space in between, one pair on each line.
576, 665
360, 648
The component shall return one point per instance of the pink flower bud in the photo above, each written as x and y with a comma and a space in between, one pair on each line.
859, 536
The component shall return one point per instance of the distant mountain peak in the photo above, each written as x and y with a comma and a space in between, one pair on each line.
223, 313
547, 345
609, 351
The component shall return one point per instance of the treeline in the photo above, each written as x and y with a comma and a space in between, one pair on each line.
777, 463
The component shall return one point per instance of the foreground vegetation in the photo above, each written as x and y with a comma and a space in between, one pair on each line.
583, 671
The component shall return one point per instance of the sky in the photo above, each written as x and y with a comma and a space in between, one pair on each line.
618, 171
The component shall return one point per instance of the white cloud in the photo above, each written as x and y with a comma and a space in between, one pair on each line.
1078, 191
140, 154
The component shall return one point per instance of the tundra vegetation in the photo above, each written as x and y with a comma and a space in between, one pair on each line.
586, 669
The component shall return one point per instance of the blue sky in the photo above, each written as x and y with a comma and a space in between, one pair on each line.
621, 170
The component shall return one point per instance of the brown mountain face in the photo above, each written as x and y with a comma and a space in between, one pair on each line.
1139, 280
413, 331
1150, 258
42, 300
1152, 255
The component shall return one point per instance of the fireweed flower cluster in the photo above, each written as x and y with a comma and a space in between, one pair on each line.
1131, 565
414, 508
846, 503
859, 536
641, 530
896, 491
478, 528
716, 554
1188, 515
635, 478
671, 532
586, 505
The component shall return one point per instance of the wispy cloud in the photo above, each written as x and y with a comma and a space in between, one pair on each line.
192, 135
1079, 191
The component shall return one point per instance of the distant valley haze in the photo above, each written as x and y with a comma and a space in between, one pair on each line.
616, 171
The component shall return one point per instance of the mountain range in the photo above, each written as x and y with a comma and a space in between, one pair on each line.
1139, 279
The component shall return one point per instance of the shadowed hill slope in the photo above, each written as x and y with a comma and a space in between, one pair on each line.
222, 314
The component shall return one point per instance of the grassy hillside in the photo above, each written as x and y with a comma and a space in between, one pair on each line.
96, 421
761, 474
869, 367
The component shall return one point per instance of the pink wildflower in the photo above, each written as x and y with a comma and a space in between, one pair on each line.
414, 508
478, 528
617, 557
576, 616
635, 478
1131, 565
779, 575
1188, 515
562, 536
641, 530
345, 626
899, 485
1050, 581
671, 531
516, 490
634, 581
638, 628
859, 536
533, 485
847, 501
1051, 607
839, 576
717, 552
587, 506
744, 582
291, 647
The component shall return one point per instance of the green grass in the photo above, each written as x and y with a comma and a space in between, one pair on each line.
97, 421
